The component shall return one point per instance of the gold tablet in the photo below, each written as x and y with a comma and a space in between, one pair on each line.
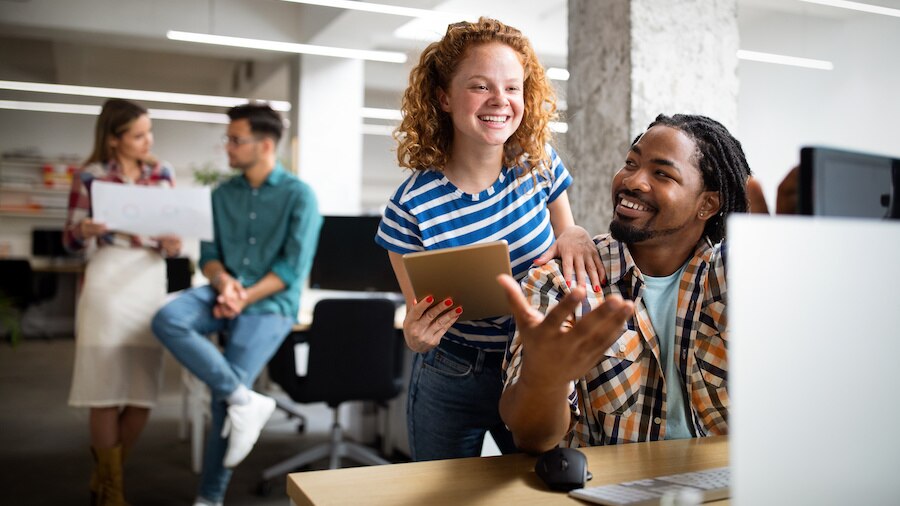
466, 274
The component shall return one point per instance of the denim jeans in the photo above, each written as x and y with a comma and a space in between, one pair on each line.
182, 326
453, 402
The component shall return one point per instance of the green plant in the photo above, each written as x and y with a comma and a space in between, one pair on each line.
209, 175
10, 319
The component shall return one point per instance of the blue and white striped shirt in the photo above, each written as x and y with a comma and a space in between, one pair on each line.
428, 212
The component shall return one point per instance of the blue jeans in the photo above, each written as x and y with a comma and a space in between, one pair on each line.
183, 325
453, 401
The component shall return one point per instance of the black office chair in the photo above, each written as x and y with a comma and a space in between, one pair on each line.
179, 271
355, 354
16, 294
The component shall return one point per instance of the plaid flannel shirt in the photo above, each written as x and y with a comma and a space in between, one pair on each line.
623, 398
158, 174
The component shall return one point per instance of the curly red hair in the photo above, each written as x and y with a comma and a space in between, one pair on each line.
425, 134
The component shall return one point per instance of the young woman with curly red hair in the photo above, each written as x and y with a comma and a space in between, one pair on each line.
475, 133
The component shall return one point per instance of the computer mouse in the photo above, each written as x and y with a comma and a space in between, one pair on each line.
562, 468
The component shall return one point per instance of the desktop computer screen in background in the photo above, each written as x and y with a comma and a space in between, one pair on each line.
348, 258
835, 182
48, 243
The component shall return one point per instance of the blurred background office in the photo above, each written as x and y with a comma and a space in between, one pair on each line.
797, 73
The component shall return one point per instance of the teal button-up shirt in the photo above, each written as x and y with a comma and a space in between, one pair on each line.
273, 228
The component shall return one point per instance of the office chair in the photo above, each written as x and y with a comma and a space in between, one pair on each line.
16, 294
179, 271
355, 354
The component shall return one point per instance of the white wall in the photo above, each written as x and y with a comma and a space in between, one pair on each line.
854, 106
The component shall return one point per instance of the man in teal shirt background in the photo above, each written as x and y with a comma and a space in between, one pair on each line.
266, 230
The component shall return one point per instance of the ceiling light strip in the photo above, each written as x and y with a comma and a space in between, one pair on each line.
557, 74
379, 8
94, 110
384, 130
287, 47
378, 113
857, 6
141, 95
784, 60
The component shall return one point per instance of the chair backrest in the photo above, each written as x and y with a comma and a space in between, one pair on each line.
16, 281
355, 353
178, 272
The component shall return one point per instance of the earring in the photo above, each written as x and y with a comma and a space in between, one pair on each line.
701, 214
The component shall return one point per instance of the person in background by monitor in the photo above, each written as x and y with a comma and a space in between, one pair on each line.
266, 224
475, 133
647, 358
118, 363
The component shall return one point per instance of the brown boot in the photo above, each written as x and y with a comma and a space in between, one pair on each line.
109, 476
95, 479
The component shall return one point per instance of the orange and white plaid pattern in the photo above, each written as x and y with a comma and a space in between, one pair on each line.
623, 398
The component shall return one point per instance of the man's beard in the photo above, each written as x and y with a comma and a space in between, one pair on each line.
628, 234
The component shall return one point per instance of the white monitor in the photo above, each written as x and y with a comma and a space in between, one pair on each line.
814, 359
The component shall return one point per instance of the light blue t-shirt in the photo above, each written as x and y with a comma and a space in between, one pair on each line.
661, 299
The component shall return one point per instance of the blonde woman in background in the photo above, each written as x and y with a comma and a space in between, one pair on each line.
118, 362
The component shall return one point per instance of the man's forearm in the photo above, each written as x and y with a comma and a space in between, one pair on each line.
213, 270
267, 285
538, 418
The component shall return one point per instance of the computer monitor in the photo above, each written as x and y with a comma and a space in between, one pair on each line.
349, 259
48, 243
835, 182
812, 353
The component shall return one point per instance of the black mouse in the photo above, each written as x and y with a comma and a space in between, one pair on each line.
562, 468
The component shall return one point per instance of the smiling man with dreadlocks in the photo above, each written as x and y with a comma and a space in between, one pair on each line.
645, 359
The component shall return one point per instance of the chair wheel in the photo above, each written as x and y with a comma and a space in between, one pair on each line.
264, 488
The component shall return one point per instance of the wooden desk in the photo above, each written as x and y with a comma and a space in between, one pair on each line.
508, 479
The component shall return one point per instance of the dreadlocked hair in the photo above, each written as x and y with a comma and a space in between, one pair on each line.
722, 163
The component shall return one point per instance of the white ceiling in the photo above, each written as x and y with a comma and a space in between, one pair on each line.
56, 31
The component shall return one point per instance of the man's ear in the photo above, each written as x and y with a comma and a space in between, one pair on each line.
443, 99
710, 204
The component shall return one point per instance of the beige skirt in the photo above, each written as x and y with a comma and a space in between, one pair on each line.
118, 361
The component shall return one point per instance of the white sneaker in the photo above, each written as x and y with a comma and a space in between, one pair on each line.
244, 423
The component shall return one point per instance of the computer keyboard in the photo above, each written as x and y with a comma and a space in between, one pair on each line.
685, 488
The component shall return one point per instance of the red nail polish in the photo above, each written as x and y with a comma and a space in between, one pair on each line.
603, 282
448, 302
429, 299
596, 288
568, 283
459, 310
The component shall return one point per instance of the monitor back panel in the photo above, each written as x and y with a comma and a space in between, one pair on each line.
814, 358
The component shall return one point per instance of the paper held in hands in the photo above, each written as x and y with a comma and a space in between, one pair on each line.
153, 211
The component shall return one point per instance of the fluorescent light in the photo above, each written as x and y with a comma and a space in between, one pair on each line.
857, 6
287, 47
94, 110
16, 105
784, 60
379, 8
557, 74
142, 95
376, 113
559, 127
195, 116
368, 129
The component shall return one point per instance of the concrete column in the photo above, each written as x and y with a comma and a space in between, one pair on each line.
326, 130
630, 60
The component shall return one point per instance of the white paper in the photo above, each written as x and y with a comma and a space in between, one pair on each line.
153, 211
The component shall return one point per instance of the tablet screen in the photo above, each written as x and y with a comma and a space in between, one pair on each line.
466, 274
